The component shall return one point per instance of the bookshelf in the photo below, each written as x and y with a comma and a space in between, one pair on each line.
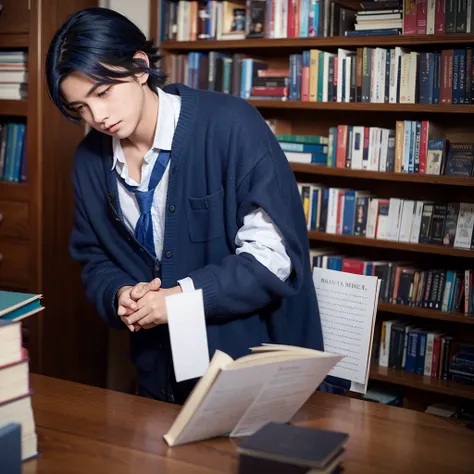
67, 340
316, 118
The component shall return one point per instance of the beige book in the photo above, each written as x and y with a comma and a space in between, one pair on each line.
238, 397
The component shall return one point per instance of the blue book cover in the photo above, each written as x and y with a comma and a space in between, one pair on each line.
15, 306
304, 147
349, 212
10, 449
410, 365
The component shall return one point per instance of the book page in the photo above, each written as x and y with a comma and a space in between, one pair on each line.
227, 400
291, 384
347, 305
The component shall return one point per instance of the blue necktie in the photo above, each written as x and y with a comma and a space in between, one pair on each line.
144, 227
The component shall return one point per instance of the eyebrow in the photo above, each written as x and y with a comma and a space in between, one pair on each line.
91, 90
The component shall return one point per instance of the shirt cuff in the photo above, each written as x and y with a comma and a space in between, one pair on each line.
186, 284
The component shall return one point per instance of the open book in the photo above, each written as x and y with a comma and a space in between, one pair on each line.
238, 397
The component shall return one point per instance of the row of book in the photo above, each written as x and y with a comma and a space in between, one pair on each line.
13, 75
224, 20
369, 75
426, 17
15, 393
185, 20
413, 147
402, 283
349, 212
13, 156
415, 349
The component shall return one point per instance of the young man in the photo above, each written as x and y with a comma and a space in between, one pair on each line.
178, 189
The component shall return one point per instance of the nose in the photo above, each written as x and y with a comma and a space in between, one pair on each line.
98, 112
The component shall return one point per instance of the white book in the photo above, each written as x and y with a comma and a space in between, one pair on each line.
348, 308
341, 54
357, 147
406, 221
416, 225
464, 226
372, 218
394, 216
430, 17
384, 349
333, 203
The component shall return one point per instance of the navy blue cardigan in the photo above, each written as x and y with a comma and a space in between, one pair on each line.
225, 162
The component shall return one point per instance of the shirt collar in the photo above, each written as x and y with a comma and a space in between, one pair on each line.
165, 127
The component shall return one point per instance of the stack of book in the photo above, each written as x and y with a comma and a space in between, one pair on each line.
13, 75
378, 18
15, 394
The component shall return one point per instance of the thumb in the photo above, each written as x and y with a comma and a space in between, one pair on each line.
155, 284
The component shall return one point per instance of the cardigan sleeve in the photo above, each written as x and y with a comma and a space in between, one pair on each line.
240, 284
101, 277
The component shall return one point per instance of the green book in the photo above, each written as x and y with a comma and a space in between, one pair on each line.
313, 139
15, 306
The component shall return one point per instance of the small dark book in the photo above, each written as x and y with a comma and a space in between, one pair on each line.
279, 448
10, 449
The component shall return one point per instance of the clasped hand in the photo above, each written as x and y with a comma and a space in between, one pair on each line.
143, 305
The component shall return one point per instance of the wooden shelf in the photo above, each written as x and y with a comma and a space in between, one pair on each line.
318, 170
14, 191
13, 40
421, 382
306, 43
364, 107
387, 244
14, 107
425, 313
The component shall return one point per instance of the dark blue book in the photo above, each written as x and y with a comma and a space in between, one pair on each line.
10, 449
394, 31
298, 448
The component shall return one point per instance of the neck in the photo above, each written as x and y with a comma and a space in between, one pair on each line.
142, 137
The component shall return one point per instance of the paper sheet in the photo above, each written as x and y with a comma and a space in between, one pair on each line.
188, 335
347, 305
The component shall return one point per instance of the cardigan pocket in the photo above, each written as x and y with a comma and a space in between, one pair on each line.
206, 216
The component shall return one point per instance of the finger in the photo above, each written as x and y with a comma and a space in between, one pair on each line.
155, 284
149, 326
138, 291
141, 289
137, 315
150, 319
129, 326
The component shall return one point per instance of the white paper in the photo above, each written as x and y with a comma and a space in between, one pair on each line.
188, 335
347, 306
286, 391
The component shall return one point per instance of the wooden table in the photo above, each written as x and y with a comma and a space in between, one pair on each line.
87, 430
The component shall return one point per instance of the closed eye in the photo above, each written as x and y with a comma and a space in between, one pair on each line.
105, 92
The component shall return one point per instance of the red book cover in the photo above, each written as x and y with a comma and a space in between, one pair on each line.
435, 360
423, 146
421, 16
353, 266
292, 14
440, 17
341, 146
409, 17
269, 91
446, 93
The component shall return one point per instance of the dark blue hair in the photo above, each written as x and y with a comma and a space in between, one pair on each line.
95, 41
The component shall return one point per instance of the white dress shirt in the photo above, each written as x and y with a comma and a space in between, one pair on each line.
258, 235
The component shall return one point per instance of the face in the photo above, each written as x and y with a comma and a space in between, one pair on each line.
114, 109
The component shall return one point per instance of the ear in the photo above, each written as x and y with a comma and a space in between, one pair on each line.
142, 77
